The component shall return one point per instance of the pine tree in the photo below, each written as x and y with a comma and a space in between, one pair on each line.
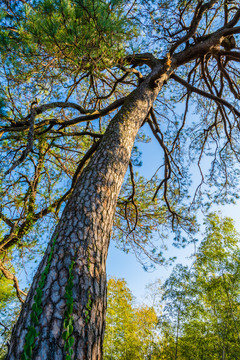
65, 64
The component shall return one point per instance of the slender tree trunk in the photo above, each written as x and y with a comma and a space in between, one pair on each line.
223, 353
82, 238
176, 344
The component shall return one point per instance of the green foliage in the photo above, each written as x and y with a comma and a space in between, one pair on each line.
9, 311
68, 317
37, 309
145, 219
2, 107
54, 50
88, 307
7, 292
91, 35
129, 330
201, 315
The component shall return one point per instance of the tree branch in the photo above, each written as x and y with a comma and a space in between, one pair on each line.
8, 275
131, 198
78, 171
29, 143
205, 94
95, 114
199, 11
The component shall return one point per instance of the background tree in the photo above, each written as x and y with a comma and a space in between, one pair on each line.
209, 308
66, 64
129, 329
8, 308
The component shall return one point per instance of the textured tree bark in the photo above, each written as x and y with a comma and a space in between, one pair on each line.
82, 236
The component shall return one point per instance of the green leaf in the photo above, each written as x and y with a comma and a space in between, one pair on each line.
70, 308
69, 329
39, 311
69, 300
71, 341
38, 301
65, 323
65, 335
31, 340
34, 307
34, 318
32, 330
39, 292
66, 346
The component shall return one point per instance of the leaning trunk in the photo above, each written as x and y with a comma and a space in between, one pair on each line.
64, 313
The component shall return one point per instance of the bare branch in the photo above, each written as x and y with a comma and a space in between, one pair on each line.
6, 220
78, 171
64, 105
231, 84
95, 114
205, 94
29, 143
140, 59
82, 133
198, 14
131, 199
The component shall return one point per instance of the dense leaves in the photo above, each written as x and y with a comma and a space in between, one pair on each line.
201, 316
129, 329
199, 312
80, 34
194, 315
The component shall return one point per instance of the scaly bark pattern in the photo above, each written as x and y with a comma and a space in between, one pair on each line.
83, 236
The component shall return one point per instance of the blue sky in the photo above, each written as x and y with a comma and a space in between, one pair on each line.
126, 266
122, 265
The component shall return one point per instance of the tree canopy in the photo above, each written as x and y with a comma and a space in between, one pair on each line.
201, 314
66, 63
199, 306
129, 329
71, 71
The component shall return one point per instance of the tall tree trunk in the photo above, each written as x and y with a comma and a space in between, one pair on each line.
176, 343
223, 353
82, 238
